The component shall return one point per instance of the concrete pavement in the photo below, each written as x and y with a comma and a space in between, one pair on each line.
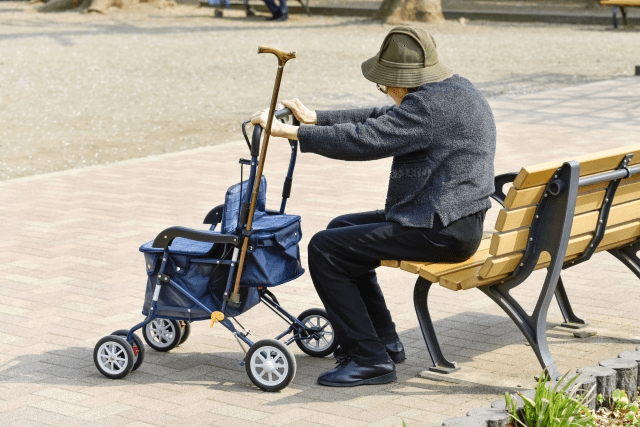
71, 273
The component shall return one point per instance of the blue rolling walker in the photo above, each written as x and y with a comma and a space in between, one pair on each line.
191, 274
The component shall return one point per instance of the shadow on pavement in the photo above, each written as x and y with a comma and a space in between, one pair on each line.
221, 370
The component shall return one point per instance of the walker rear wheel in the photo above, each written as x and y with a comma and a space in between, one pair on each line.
319, 339
137, 347
270, 365
162, 334
113, 357
185, 328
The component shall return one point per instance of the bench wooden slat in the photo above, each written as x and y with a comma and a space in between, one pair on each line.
466, 279
620, 2
470, 278
531, 196
516, 240
415, 266
390, 263
525, 197
496, 266
434, 271
510, 219
531, 176
511, 241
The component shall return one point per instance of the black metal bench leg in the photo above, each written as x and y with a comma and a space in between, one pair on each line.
420, 296
571, 321
628, 255
532, 327
550, 232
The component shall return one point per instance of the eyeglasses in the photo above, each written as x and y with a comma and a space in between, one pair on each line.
382, 89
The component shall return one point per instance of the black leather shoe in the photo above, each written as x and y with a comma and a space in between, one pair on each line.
280, 17
395, 350
351, 374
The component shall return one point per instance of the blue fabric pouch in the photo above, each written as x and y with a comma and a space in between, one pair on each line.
273, 258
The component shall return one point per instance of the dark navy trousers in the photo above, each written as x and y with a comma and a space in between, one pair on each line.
342, 263
277, 10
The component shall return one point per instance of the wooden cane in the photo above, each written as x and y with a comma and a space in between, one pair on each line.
283, 57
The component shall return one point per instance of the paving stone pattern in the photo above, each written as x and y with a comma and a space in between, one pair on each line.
72, 273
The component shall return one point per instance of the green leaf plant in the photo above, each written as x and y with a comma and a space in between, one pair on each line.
551, 406
620, 408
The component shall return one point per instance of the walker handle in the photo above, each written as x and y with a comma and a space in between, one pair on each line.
254, 144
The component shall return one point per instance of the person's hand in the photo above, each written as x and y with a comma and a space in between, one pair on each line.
302, 113
278, 128
262, 117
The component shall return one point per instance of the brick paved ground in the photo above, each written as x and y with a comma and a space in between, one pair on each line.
72, 273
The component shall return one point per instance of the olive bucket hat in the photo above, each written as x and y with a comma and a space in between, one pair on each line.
407, 58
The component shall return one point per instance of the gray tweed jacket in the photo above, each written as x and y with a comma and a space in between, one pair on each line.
442, 139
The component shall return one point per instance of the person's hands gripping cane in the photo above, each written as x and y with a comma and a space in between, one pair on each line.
283, 57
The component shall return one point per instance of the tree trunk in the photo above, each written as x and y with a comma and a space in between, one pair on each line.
397, 11
58, 5
99, 6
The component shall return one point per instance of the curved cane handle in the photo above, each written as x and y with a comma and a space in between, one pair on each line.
281, 54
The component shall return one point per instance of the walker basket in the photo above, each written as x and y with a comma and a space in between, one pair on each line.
272, 258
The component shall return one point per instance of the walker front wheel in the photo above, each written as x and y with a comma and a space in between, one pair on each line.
162, 334
270, 365
113, 357
137, 347
318, 338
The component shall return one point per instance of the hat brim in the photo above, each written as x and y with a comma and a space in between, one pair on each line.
386, 75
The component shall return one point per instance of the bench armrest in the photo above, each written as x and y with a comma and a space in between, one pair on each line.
500, 181
214, 216
164, 239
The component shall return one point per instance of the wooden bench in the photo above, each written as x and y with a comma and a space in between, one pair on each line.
555, 215
622, 5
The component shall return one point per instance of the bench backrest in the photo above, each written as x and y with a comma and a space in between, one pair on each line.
500, 253
514, 220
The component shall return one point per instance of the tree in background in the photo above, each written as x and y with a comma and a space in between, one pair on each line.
395, 11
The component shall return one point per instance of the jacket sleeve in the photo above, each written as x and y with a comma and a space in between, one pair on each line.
400, 131
359, 115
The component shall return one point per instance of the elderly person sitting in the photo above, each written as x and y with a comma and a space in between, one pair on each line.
441, 135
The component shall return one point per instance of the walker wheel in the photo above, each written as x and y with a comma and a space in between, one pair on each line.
270, 365
162, 334
318, 339
137, 347
113, 356
185, 331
